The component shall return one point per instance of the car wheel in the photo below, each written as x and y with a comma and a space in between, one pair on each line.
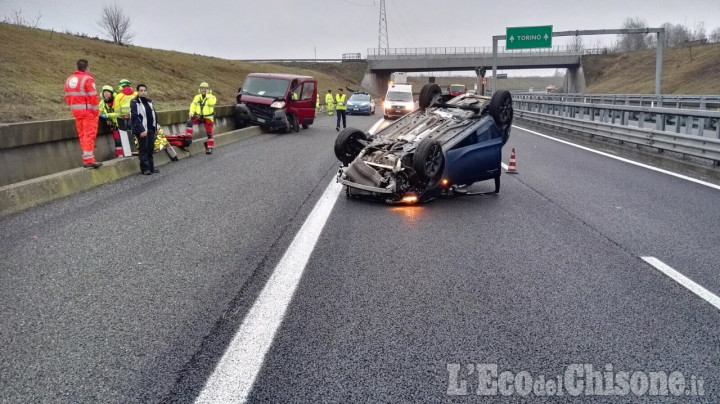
429, 95
349, 144
239, 120
501, 109
384, 116
429, 160
294, 123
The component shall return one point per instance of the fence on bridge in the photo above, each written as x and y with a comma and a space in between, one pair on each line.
688, 131
374, 53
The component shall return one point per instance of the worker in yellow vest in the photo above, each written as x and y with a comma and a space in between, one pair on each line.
122, 107
329, 102
108, 114
202, 111
340, 108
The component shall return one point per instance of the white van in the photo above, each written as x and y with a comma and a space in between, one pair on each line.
398, 100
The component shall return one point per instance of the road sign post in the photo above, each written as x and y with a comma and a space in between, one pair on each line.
528, 37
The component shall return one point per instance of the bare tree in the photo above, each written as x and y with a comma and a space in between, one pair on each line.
699, 35
116, 24
633, 42
16, 18
676, 35
576, 44
715, 35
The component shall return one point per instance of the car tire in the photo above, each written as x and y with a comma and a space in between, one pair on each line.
501, 109
429, 95
239, 120
429, 160
348, 145
294, 125
385, 116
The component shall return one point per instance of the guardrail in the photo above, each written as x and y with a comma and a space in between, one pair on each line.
375, 53
710, 102
691, 132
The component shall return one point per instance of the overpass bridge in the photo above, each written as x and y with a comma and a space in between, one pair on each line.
382, 62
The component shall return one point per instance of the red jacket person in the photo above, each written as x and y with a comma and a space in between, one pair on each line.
82, 97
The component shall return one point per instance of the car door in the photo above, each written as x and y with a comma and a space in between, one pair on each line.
303, 102
478, 157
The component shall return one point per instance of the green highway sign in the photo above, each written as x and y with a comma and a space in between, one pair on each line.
528, 37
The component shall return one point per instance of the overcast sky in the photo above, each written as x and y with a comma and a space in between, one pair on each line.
267, 29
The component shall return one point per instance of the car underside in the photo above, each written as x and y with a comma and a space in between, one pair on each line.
437, 150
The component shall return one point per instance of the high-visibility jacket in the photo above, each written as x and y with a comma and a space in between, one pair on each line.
109, 110
204, 106
81, 95
340, 102
122, 102
329, 100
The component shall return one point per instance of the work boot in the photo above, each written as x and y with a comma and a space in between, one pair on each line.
155, 171
208, 151
92, 165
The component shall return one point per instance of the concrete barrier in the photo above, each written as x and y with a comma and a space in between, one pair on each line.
36, 191
35, 149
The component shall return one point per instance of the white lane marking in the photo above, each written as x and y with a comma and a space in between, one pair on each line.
235, 374
376, 126
707, 184
684, 280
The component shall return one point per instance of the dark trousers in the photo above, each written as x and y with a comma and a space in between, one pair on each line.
340, 113
147, 147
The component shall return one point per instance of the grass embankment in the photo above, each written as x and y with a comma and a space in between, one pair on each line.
686, 70
34, 64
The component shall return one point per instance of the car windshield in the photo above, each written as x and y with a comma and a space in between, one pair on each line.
360, 97
266, 87
457, 88
399, 96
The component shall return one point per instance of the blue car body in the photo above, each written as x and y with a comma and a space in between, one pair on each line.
430, 152
360, 103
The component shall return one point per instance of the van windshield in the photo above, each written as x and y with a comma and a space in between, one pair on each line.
265, 87
399, 96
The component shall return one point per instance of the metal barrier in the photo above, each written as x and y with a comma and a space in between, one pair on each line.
375, 53
711, 102
692, 132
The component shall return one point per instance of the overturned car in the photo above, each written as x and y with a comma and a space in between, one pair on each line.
440, 149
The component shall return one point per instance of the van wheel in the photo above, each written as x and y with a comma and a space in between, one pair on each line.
429, 160
348, 144
305, 126
501, 109
429, 95
294, 123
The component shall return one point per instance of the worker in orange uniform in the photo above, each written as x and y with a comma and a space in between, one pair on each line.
202, 110
82, 97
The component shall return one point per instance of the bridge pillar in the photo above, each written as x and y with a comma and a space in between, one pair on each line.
574, 80
376, 82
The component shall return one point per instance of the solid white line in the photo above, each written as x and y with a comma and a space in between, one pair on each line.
707, 184
377, 125
684, 280
235, 374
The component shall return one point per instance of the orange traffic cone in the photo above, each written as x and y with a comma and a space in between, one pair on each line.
512, 168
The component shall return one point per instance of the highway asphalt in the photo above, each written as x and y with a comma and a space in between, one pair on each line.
132, 292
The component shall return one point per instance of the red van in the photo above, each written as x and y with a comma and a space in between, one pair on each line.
276, 101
